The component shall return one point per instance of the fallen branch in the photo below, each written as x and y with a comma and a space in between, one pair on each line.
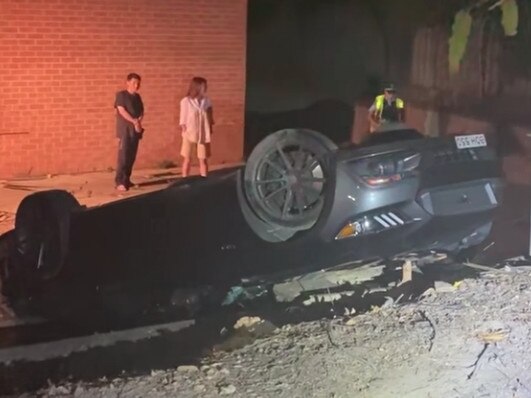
327, 330
475, 364
484, 267
433, 330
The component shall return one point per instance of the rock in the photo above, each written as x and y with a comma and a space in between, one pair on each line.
211, 372
429, 292
58, 391
351, 322
224, 371
79, 391
350, 311
247, 322
443, 287
227, 390
389, 301
199, 388
187, 369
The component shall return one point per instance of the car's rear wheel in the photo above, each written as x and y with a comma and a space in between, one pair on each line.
289, 179
41, 236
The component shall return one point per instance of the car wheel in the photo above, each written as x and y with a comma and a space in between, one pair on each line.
42, 229
289, 179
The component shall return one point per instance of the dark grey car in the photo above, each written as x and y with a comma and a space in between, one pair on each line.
299, 204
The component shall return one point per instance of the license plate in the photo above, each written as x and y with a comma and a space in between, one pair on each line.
470, 141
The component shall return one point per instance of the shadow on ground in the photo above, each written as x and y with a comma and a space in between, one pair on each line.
189, 346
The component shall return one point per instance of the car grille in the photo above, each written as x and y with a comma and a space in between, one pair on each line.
447, 156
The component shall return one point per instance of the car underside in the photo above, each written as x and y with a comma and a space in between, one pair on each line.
299, 204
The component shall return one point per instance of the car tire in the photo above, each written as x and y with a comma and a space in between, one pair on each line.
288, 180
42, 231
265, 231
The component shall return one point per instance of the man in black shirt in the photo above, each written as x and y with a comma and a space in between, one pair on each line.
129, 114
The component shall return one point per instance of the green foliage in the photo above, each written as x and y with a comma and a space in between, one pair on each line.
509, 19
463, 24
459, 39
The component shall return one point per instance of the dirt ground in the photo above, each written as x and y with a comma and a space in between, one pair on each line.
467, 339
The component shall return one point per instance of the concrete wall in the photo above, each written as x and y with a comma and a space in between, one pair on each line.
61, 62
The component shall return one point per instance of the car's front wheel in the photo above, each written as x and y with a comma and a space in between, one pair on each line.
288, 181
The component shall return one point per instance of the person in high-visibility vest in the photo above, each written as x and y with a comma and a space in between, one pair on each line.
387, 108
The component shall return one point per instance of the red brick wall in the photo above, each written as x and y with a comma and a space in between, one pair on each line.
61, 62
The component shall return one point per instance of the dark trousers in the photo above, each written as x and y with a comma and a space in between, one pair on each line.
126, 158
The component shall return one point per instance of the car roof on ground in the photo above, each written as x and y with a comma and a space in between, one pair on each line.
392, 127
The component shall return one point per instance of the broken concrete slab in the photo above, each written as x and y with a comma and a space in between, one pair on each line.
327, 297
290, 289
65, 347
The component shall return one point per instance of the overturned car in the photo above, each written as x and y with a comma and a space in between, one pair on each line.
299, 204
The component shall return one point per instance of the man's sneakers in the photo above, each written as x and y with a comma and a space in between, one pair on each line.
121, 188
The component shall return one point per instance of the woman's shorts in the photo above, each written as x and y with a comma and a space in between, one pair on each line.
188, 148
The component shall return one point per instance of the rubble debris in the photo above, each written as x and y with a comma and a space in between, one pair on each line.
493, 337
483, 267
228, 389
351, 322
407, 271
443, 287
428, 293
187, 369
247, 322
199, 388
457, 284
240, 293
290, 289
350, 311
437, 346
327, 297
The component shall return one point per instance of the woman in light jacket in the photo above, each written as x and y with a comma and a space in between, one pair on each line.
196, 120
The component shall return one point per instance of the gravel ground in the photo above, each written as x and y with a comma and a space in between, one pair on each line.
467, 340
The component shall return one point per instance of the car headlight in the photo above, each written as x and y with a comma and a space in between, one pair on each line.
385, 169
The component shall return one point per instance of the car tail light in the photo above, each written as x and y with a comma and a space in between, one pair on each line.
386, 169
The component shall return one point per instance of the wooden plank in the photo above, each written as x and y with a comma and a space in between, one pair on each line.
407, 271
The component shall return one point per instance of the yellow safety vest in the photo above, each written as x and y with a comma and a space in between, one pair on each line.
379, 104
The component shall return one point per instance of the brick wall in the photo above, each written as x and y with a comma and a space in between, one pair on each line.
61, 62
